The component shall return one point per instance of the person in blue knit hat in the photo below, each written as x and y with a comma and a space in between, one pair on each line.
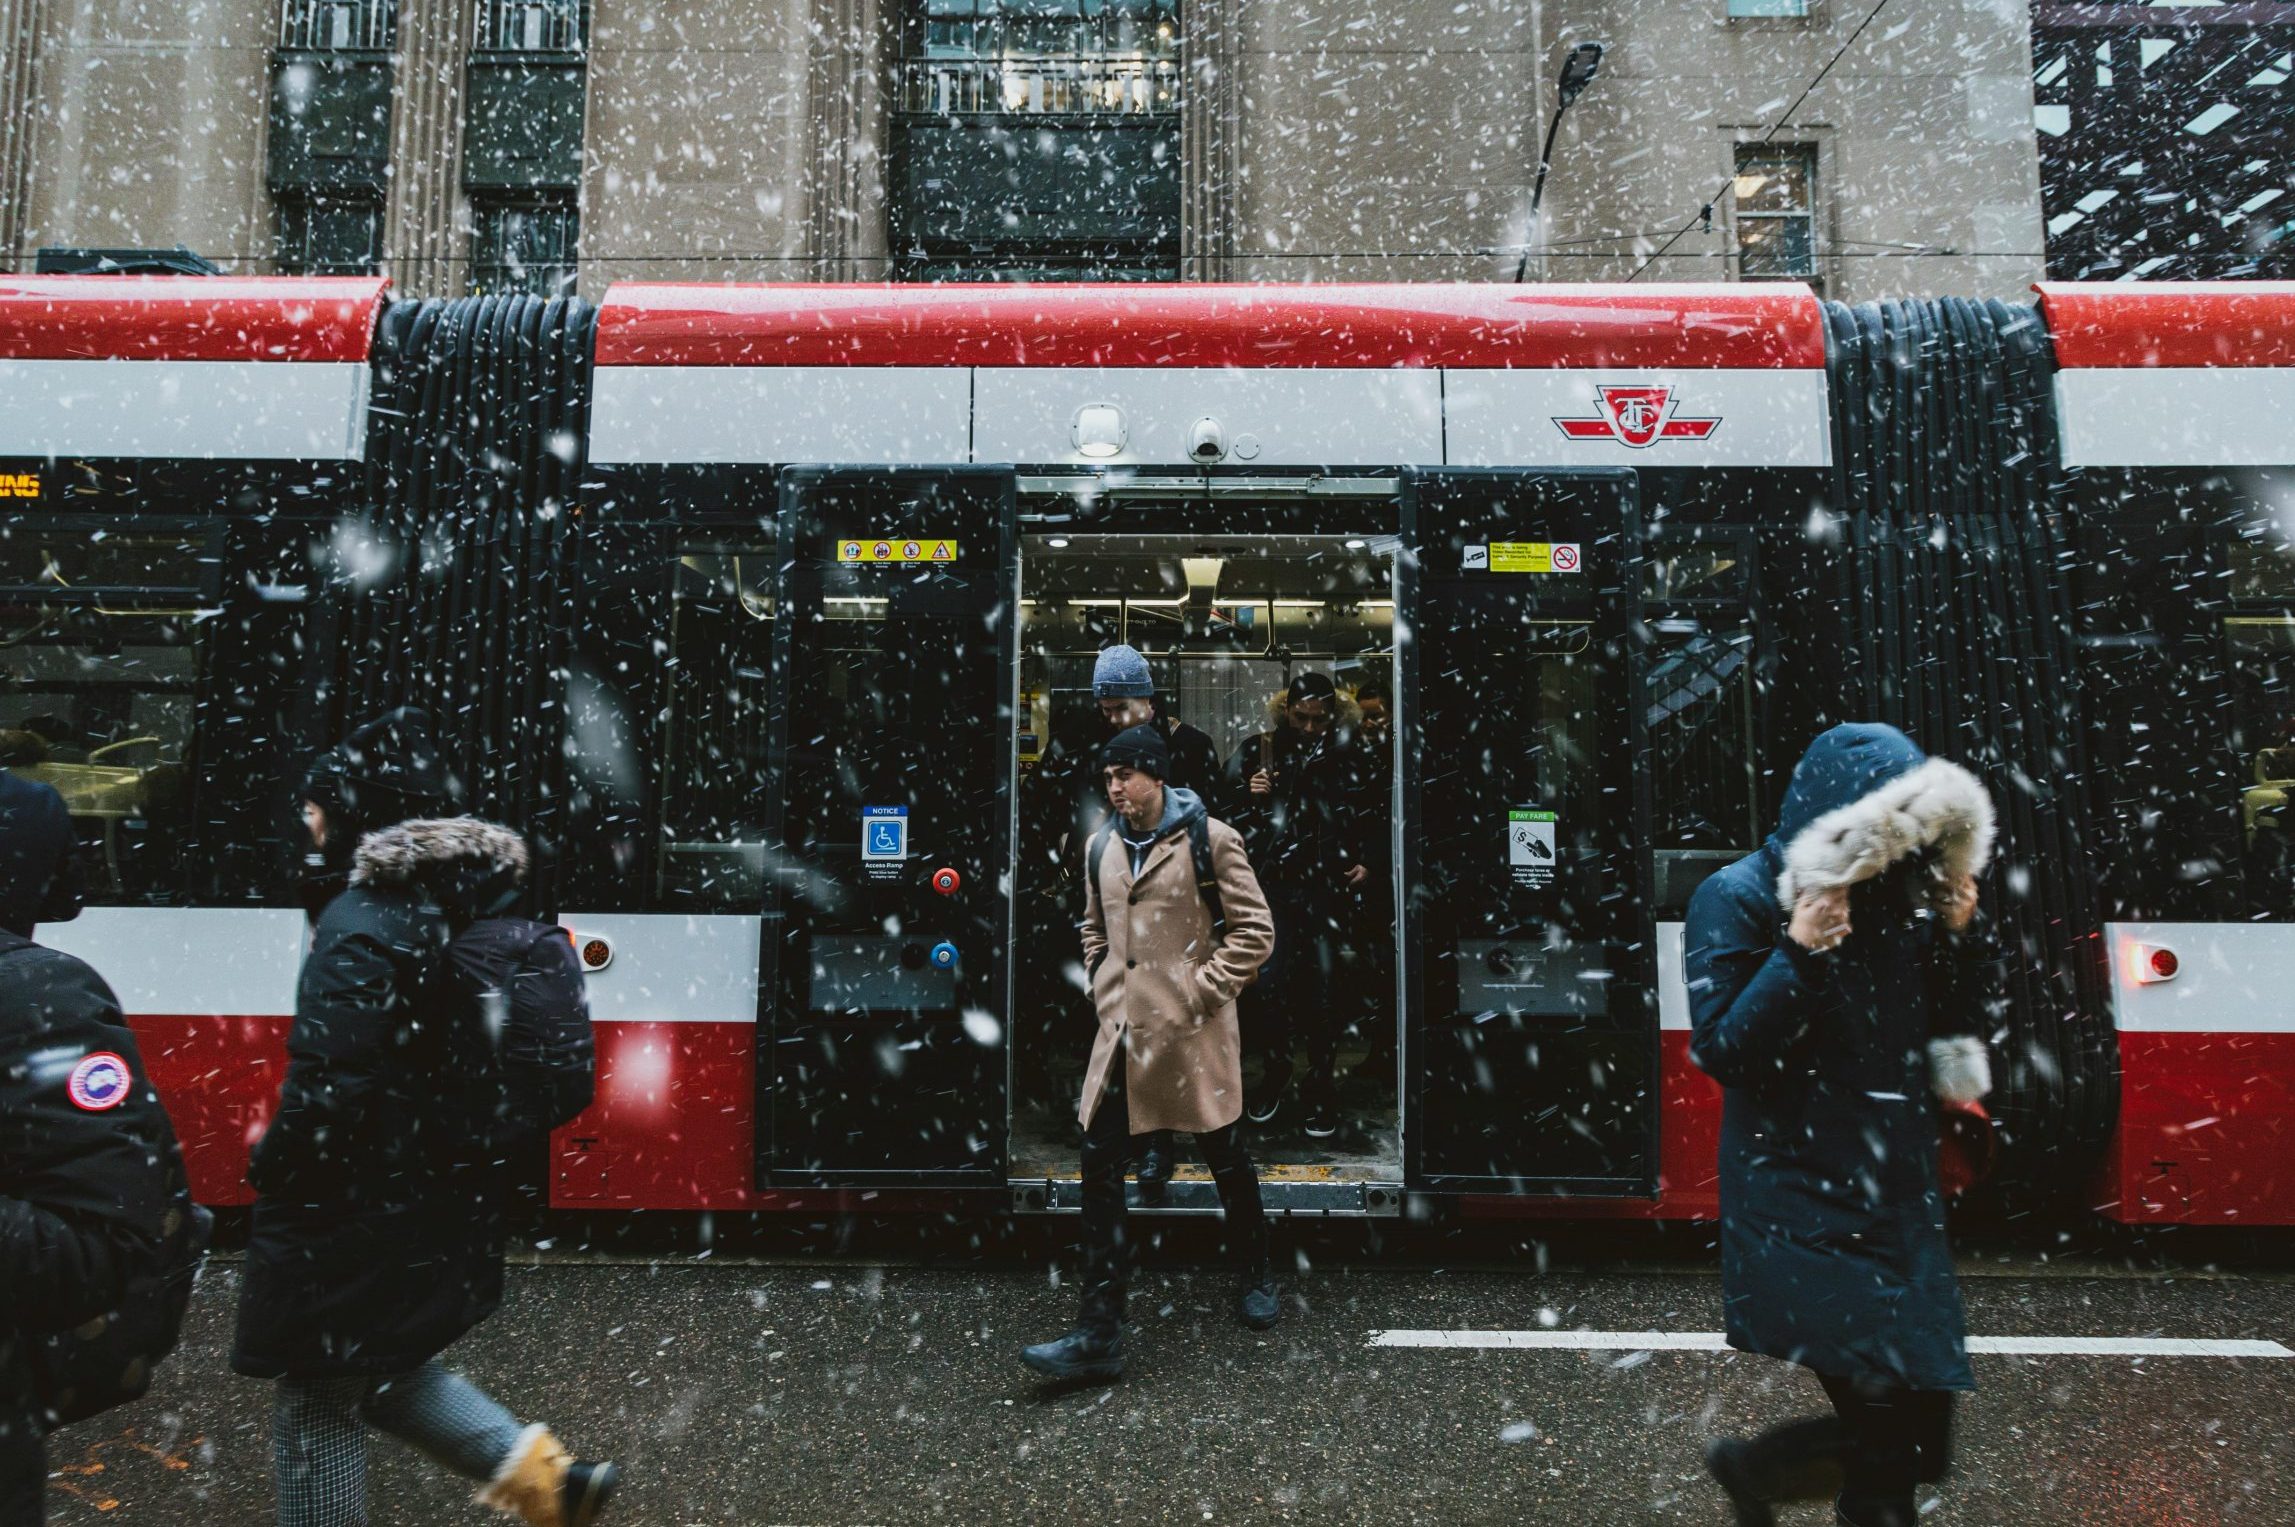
1125, 690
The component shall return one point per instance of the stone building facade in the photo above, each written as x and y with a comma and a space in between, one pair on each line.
478, 144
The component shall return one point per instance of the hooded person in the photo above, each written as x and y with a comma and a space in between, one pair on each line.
1165, 964
1839, 984
378, 1229
91, 1179
388, 770
1293, 794
1123, 686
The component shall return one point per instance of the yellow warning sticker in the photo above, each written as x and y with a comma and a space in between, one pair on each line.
1533, 556
19, 485
903, 550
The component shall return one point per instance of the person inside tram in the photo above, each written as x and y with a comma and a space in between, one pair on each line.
1291, 797
1124, 689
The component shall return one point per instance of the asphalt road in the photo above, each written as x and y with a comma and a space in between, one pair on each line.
859, 1388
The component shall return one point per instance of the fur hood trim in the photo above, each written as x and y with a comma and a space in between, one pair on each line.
1937, 804
398, 856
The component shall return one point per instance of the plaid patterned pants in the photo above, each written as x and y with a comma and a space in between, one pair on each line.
319, 1438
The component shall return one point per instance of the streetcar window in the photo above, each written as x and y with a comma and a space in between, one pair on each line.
712, 778
98, 678
1698, 707
2260, 636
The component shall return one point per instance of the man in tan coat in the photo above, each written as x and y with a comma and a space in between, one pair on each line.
1166, 955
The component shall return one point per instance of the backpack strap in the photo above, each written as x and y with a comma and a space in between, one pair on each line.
1094, 852
1207, 877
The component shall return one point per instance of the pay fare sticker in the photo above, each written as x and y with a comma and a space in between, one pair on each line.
904, 551
1532, 557
1530, 846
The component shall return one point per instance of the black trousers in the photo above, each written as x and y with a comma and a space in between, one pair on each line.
23, 1476
1880, 1442
1108, 1145
1293, 993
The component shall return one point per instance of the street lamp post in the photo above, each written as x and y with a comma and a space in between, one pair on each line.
1578, 71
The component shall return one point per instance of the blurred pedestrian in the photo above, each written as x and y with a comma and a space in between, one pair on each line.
1167, 947
1123, 687
1291, 796
377, 1237
92, 1191
1837, 978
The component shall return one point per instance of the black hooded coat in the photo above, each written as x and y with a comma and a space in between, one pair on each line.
378, 1229
1833, 1246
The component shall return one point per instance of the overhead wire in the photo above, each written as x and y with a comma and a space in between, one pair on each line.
1704, 213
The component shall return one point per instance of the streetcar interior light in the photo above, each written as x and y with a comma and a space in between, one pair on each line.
1057, 543
1099, 430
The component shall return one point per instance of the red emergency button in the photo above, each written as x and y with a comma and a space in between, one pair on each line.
946, 881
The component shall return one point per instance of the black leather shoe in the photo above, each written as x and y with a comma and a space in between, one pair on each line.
1727, 1461
1081, 1354
1155, 1168
1260, 1304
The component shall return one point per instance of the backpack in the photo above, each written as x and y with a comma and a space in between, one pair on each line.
110, 1360
1199, 848
523, 975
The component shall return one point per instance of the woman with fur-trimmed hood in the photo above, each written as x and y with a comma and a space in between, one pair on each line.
1839, 985
377, 1236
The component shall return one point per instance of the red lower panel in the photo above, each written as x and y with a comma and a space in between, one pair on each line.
674, 1124
1689, 1144
2206, 1132
219, 1079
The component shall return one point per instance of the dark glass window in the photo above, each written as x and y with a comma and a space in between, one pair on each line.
1698, 705
1089, 192
338, 26
328, 236
150, 687
1776, 202
525, 245
532, 26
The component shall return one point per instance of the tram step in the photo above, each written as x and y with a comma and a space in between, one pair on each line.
1303, 1195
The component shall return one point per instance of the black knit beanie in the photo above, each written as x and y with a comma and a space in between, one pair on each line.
1141, 748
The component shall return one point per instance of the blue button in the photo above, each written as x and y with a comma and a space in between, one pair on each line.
944, 956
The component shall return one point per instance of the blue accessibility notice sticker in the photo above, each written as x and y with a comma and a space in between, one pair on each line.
884, 834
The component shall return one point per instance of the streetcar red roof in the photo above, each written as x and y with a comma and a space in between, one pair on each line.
2171, 323
1557, 326
188, 318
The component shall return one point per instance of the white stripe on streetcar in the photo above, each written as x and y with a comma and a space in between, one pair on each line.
1713, 1341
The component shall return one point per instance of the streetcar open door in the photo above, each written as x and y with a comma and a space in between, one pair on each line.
1531, 1018
885, 961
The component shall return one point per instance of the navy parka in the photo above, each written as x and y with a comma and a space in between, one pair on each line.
1834, 1252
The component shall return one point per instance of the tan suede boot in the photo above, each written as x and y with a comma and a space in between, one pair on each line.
531, 1484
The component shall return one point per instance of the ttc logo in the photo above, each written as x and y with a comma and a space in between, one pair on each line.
1636, 415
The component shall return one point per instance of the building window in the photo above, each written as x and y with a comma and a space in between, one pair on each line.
532, 26
1089, 192
1776, 199
1748, 10
524, 244
328, 236
1023, 57
338, 26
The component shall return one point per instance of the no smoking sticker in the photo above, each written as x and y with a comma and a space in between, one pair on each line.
1530, 846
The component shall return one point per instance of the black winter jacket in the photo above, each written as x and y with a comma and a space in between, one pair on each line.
89, 1168
1833, 1245
377, 1234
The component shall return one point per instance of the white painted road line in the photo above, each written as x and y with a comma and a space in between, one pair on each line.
1712, 1341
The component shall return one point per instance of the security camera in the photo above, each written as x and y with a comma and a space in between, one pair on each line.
1207, 442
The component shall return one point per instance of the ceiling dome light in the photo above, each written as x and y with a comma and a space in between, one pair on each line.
1099, 430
